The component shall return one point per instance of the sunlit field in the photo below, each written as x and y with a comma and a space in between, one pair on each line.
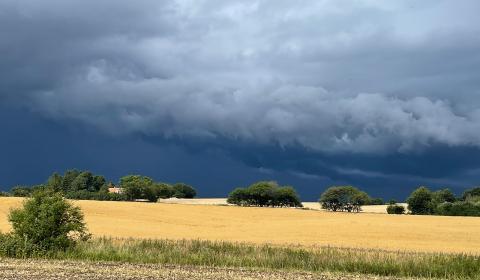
277, 226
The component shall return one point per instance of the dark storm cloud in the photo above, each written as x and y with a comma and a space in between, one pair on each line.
348, 88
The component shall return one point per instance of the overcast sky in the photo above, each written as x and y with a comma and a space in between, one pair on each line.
384, 95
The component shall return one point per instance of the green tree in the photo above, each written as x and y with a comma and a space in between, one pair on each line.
55, 182
97, 182
442, 196
376, 201
137, 187
343, 198
287, 197
68, 178
473, 192
48, 222
163, 190
262, 193
21, 191
420, 202
82, 182
184, 191
239, 196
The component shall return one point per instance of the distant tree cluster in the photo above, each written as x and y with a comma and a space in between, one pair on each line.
344, 198
422, 201
84, 185
265, 194
142, 187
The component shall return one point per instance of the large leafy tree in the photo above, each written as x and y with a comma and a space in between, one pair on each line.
420, 202
137, 187
343, 198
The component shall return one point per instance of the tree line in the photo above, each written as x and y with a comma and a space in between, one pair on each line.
423, 201
76, 184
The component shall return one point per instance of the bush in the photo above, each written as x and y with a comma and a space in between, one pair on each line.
265, 194
420, 202
343, 198
46, 223
395, 209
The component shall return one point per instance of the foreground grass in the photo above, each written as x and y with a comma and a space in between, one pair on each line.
225, 254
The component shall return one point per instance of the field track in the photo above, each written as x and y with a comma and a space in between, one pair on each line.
58, 270
275, 226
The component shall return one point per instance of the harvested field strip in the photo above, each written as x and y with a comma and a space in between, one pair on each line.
225, 254
11, 269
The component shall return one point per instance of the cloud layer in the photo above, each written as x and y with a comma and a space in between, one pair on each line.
364, 77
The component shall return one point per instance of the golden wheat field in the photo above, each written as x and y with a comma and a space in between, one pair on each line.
275, 226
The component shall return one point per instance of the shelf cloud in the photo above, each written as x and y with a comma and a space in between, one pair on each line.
359, 78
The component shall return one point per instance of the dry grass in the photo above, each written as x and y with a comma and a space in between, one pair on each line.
52, 270
276, 226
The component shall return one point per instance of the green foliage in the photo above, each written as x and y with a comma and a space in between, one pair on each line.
47, 222
420, 202
442, 196
343, 198
55, 182
21, 191
182, 190
68, 178
101, 195
459, 208
3, 194
76, 184
395, 209
474, 192
443, 202
163, 190
265, 194
286, 197
239, 196
376, 201
137, 187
